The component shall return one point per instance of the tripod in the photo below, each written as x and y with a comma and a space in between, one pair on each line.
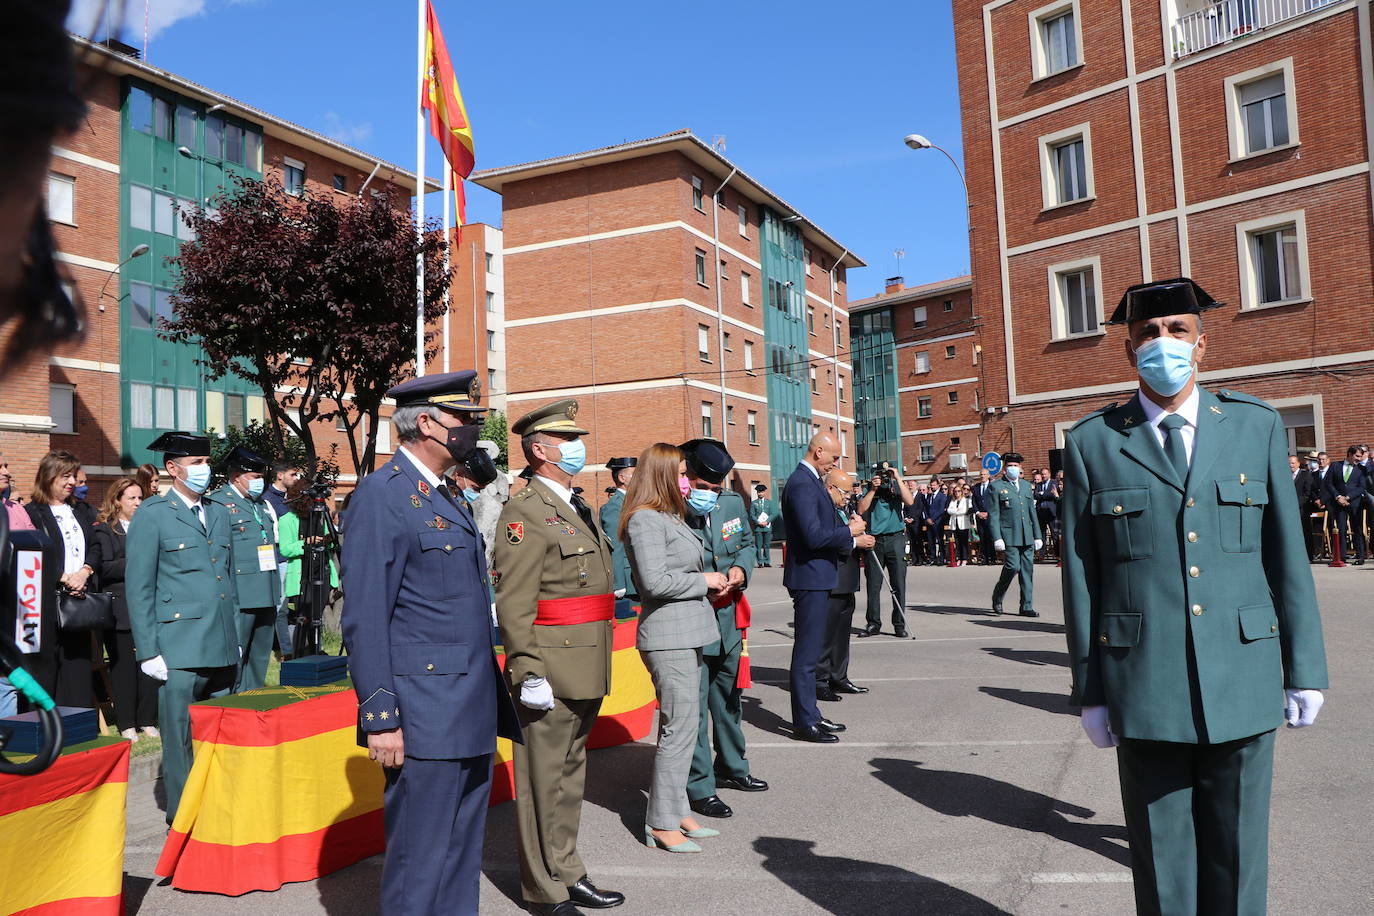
320, 545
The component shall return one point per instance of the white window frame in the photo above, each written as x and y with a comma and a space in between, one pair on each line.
922, 356
1059, 314
919, 317
806, 259
1040, 68
743, 212
1049, 181
1249, 276
708, 424
927, 452
698, 195
1235, 121
925, 407
295, 164
744, 288
704, 343
753, 426
700, 267
69, 217
384, 446
749, 356
67, 393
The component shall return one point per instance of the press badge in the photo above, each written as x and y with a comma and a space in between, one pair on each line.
267, 558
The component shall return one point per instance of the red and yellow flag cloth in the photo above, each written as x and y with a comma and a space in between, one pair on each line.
62, 834
448, 116
743, 615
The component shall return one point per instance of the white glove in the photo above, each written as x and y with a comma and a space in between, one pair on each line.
999, 544
1097, 727
620, 593
154, 667
536, 694
1039, 543
1302, 707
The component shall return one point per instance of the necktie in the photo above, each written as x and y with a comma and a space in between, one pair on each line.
585, 511
1173, 444
1347, 473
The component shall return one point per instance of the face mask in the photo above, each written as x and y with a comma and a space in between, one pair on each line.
702, 501
1165, 364
255, 487
197, 478
471, 494
1312, 465
684, 485
1013, 472
574, 456
461, 441
81, 491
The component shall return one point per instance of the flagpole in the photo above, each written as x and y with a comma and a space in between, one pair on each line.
448, 197
420, 193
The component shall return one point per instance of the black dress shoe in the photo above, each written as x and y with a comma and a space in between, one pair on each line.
1030, 612
826, 694
814, 734
561, 908
710, 806
997, 609
585, 893
744, 783
847, 686
901, 633
830, 726
872, 629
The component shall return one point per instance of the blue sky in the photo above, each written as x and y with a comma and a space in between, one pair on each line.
813, 98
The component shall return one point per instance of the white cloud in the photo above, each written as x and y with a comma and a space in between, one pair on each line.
354, 134
124, 18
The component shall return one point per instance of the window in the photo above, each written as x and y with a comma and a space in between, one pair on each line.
949, 305
186, 126
185, 210
1066, 167
293, 175
1261, 111
62, 198
704, 343
922, 361
725, 342
236, 412
340, 182
233, 142
141, 405
949, 351
744, 287
491, 301
1273, 260
341, 423
918, 316
806, 259
141, 308
839, 381
164, 214
844, 444
753, 425
1075, 298
162, 304
811, 319
724, 271
953, 397
927, 452
720, 198
491, 380
729, 415
140, 111
953, 441
749, 356
743, 221
214, 137
491, 261
384, 433
706, 419
701, 266
491, 340
923, 407
162, 119
187, 402
814, 389
164, 408
62, 408
1055, 39
697, 201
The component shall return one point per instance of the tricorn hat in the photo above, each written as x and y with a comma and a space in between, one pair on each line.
1012, 458
620, 464
707, 459
1179, 296
241, 459
181, 445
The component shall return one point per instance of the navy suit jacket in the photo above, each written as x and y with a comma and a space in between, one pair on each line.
417, 619
980, 499
815, 535
936, 503
1336, 485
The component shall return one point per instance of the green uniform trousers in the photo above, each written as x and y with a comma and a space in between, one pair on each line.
256, 627
184, 686
721, 712
763, 539
885, 571
550, 775
1198, 820
1017, 563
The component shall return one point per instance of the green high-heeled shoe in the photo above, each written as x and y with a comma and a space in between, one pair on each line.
701, 833
651, 841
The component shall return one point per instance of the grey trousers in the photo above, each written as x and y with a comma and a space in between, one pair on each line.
677, 681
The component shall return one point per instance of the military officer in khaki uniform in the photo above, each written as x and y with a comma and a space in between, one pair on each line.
1191, 615
555, 602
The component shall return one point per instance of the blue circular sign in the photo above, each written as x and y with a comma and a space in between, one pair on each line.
992, 463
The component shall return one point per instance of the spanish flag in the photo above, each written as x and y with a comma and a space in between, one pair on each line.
448, 117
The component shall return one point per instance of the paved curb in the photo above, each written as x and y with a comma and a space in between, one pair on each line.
145, 768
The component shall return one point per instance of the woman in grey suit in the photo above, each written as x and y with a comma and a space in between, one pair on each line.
676, 621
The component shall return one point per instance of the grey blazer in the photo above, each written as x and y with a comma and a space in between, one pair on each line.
666, 563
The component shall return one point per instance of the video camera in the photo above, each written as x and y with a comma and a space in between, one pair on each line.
888, 484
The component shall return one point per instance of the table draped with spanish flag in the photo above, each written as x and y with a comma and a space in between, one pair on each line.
280, 790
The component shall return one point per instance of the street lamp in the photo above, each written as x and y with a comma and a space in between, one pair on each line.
138, 252
916, 141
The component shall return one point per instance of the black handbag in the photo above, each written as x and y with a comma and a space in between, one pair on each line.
91, 611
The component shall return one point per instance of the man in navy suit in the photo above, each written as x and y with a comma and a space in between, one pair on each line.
815, 536
417, 621
981, 490
1345, 496
937, 504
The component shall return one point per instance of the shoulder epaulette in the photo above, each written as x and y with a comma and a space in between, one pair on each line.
1228, 394
1101, 411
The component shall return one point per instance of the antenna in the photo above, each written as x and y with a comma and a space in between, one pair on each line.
718, 143
899, 254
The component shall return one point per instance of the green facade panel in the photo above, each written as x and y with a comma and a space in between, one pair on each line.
786, 345
877, 433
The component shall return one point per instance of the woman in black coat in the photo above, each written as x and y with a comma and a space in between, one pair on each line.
135, 693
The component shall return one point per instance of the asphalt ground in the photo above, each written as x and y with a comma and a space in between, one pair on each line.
963, 785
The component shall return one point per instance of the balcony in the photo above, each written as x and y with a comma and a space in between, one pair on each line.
1227, 20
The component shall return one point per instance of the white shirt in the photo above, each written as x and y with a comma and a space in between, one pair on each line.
73, 538
1187, 410
430, 477
197, 507
562, 492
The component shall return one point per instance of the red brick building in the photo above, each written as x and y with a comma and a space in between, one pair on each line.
1110, 141
473, 336
675, 297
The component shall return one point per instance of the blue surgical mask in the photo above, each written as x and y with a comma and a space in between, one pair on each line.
574, 456
197, 478
1013, 472
471, 494
702, 501
1165, 364
255, 487
81, 491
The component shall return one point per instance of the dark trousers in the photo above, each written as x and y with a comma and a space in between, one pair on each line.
885, 572
985, 539
75, 674
834, 660
1198, 820
935, 543
435, 813
808, 640
961, 543
184, 686
916, 543
135, 694
1347, 520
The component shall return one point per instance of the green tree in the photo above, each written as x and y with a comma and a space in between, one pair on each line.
494, 428
265, 442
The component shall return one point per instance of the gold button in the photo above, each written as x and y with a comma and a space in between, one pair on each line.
221, 597
580, 549
1194, 571
1242, 478
177, 615
1249, 501
220, 578
1192, 537
1116, 509
1273, 628
1197, 610
1103, 639
448, 546
567, 642
429, 667
181, 547
1189, 504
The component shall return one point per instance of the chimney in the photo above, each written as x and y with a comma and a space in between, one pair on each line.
894, 285
119, 47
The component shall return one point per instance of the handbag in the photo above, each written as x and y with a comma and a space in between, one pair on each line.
92, 611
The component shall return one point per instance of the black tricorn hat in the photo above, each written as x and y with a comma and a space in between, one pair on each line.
242, 459
620, 464
181, 445
760, 488
707, 459
1012, 458
1179, 296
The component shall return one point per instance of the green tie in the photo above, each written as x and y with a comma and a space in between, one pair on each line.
1347, 473
1173, 444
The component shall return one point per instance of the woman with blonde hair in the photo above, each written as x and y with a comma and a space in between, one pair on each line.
674, 625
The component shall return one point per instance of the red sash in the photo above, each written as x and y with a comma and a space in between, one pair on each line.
743, 615
565, 612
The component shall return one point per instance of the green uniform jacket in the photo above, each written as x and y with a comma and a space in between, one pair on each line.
761, 506
1011, 514
179, 582
620, 561
250, 526
1189, 606
726, 541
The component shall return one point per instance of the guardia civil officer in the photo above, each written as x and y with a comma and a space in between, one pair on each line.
718, 517
1015, 532
417, 623
183, 599
252, 526
761, 515
622, 469
1191, 615
555, 603
883, 505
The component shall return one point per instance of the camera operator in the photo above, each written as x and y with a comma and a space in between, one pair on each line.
882, 506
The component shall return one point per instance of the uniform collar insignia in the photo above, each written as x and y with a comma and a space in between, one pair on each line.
1215, 409
415, 500
1128, 421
